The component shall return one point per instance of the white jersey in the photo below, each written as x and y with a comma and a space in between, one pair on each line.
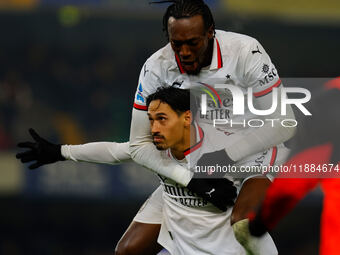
237, 60
191, 225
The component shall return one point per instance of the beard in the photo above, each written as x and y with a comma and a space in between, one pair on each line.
193, 72
159, 146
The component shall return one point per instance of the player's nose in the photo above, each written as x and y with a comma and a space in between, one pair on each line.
185, 52
154, 128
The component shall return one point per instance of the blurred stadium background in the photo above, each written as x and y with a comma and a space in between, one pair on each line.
69, 69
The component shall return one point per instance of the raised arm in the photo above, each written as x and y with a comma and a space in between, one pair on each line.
142, 149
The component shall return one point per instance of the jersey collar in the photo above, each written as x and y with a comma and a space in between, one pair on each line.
198, 144
199, 140
216, 61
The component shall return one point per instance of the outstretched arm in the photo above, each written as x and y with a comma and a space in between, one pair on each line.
41, 152
98, 152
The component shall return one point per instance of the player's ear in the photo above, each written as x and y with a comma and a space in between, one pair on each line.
188, 118
211, 32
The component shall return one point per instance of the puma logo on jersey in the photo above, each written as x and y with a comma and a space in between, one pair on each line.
177, 84
256, 51
209, 192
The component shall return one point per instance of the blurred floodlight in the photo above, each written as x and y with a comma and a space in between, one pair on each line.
69, 16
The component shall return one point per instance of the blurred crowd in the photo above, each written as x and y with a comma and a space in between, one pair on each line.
76, 84
68, 94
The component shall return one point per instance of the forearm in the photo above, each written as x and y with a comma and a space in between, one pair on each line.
98, 152
249, 198
260, 139
270, 134
144, 152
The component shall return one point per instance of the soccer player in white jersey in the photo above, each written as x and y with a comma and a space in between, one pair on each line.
190, 224
195, 53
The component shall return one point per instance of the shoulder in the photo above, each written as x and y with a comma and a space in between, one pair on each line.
161, 59
235, 43
155, 71
227, 38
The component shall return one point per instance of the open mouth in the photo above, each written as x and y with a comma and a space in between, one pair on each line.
188, 63
191, 67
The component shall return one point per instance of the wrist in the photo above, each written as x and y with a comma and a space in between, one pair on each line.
59, 152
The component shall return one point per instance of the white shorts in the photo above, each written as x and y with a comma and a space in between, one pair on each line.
151, 212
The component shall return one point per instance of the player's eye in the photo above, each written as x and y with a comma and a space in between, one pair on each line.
176, 44
192, 43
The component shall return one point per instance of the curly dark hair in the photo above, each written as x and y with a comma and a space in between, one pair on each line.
185, 9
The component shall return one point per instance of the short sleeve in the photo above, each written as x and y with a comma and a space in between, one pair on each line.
259, 71
147, 84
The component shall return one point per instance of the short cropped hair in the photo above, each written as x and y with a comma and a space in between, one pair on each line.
180, 100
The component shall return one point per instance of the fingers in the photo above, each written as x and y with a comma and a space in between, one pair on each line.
21, 154
27, 145
30, 155
28, 158
26, 154
34, 134
31, 145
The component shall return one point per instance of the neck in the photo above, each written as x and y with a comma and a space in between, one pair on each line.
189, 139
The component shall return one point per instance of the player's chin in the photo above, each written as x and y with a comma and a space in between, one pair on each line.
193, 72
160, 146
193, 69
